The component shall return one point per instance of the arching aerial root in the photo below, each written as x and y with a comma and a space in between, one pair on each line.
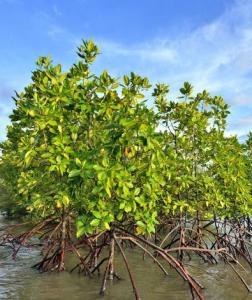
54, 234
212, 241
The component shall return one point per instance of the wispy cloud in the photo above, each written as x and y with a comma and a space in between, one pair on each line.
216, 56
56, 10
152, 53
55, 31
242, 125
6, 106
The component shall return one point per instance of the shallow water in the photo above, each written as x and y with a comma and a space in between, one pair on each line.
19, 281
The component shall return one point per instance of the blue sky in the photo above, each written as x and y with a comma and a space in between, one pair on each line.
208, 43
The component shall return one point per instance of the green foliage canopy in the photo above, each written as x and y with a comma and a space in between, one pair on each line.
88, 145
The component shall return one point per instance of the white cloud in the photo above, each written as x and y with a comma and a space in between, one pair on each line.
216, 56
212, 56
145, 52
55, 31
3, 122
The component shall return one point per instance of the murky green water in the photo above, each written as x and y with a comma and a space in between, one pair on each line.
19, 281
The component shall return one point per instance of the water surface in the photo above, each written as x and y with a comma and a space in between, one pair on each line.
19, 281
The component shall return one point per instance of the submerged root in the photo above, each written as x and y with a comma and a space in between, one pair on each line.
212, 241
55, 238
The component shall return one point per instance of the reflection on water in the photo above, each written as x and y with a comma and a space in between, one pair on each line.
19, 281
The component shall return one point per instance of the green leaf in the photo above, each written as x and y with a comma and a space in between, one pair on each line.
65, 200
52, 123
78, 162
74, 173
122, 205
81, 230
97, 214
128, 207
108, 187
137, 191
31, 112
95, 222
140, 224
